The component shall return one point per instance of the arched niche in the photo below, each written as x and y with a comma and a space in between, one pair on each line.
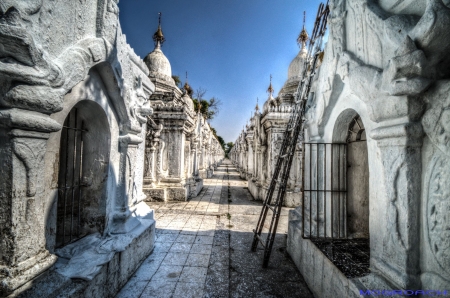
349, 128
83, 173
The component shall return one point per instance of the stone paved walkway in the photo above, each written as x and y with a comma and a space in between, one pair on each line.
203, 248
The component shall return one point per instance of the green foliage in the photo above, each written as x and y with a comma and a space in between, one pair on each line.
204, 108
209, 108
221, 141
177, 81
228, 147
219, 138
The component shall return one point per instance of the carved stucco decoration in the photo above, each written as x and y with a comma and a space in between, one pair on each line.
436, 121
337, 20
436, 124
417, 46
112, 7
394, 166
46, 81
74, 64
152, 143
438, 211
40, 82
162, 168
30, 149
21, 55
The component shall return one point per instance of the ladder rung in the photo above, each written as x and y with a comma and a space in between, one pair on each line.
260, 239
271, 207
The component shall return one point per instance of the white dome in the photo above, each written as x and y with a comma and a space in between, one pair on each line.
296, 65
270, 102
188, 100
158, 64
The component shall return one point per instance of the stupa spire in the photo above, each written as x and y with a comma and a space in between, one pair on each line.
158, 37
187, 87
270, 89
303, 37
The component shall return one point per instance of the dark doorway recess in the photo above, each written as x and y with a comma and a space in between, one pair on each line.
83, 171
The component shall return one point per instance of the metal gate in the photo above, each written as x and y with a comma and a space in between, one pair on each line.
69, 207
324, 195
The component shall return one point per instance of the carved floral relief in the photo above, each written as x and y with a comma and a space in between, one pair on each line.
438, 211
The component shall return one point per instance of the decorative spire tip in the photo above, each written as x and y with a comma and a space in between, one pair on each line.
270, 89
188, 88
303, 36
158, 37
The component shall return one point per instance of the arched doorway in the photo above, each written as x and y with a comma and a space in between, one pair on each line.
335, 212
357, 180
83, 172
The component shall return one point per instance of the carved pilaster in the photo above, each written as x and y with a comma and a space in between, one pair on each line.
150, 162
126, 191
23, 145
400, 148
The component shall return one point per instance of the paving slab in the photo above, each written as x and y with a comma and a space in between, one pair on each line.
202, 248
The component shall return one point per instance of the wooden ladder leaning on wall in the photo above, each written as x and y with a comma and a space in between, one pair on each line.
294, 131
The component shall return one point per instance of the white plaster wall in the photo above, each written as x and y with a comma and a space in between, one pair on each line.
377, 191
90, 89
138, 195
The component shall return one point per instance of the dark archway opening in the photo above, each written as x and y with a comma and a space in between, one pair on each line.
336, 196
357, 180
83, 172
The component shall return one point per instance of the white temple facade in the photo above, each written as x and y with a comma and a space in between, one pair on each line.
256, 150
74, 102
375, 170
181, 149
88, 132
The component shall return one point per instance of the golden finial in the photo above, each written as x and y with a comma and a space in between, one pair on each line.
270, 89
187, 87
303, 36
321, 55
158, 37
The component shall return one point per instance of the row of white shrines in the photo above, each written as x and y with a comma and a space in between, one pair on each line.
88, 133
373, 169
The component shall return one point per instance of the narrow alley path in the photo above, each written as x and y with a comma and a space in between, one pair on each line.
202, 248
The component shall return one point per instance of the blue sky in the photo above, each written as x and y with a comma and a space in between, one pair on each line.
229, 47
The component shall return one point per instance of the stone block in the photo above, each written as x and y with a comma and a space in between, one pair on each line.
154, 194
197, 188
109, 278
202, 174
176, 194
293, 199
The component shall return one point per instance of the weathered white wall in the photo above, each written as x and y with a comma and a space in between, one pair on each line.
375, 66
65, 52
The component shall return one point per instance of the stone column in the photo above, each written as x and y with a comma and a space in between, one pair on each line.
187, 158
176, 155
264, 164
122, 220
400, 147
23, 197
194, 159
250, 167
150, 162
